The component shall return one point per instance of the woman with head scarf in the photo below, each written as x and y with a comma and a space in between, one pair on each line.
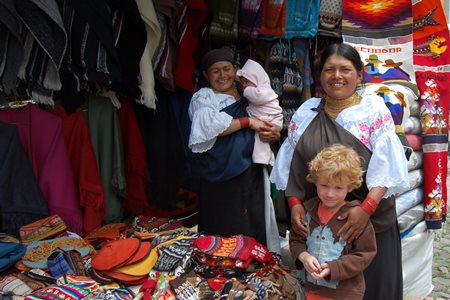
234, 190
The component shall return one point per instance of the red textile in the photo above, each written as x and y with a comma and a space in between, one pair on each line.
136, 169
41, 136
273, 20
434, 106
191, 17
84, 165
431, 59
237, 247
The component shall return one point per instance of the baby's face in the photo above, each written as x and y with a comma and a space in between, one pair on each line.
246, 83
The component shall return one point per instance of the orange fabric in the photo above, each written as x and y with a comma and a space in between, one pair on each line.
324, 214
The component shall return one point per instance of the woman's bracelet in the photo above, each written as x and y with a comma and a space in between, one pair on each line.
293, 201
244, 122
369, 205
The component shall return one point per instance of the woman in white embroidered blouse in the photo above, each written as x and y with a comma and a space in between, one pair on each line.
364, 123
234, 193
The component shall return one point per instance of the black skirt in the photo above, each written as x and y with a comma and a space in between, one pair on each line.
235, 206
384, 276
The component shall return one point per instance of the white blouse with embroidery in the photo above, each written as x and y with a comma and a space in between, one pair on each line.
370, 122
207, 119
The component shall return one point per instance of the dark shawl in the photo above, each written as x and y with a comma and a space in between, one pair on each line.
21, 200
321, 132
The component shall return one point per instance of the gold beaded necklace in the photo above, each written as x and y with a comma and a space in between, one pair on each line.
333, 106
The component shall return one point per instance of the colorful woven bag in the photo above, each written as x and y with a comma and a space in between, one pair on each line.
42, 229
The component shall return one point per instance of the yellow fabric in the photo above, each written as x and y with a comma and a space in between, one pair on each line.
142, 267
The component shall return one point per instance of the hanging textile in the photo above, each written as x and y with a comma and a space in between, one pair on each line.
273, 19
104, 129
330, 18
33, 47
84, 165
224, 24
21, 200
41, 136
147, 85
384, 42
136, 167
191, 16
165, 54
302, 18
250, 12
432, 64
383, 20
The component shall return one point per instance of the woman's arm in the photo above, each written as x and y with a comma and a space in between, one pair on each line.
358, 216
267, 132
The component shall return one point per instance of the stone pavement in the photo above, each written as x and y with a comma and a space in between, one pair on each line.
441, 258
441, 264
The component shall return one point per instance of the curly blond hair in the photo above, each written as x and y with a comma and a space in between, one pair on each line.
337, 164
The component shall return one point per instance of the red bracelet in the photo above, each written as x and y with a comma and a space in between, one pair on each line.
293, 201
244, 122
369, 205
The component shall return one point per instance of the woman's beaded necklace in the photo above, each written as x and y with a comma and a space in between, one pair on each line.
333, 106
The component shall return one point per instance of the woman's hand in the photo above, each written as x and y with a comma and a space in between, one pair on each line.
298, 219
356, 222
269, 133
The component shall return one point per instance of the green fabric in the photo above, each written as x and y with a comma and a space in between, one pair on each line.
224, 23
104, 129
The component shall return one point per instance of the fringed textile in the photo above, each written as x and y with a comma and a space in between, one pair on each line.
376, 19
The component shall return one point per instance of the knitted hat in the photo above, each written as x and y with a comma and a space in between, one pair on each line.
115, 253
238, 247
216, 55
171, 256
184, 288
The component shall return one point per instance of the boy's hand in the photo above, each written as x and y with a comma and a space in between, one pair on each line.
310, 263
324, 273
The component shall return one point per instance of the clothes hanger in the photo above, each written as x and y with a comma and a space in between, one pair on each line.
15, 102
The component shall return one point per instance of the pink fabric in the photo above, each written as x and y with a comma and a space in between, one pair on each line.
415, 141
263, 104
41, 136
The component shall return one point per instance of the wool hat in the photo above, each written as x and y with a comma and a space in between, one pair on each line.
115, 253
141, 267
216, 55
237, 247
142, 252
172, 256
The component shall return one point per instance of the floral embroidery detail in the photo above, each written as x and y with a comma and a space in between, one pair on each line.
292, 127
363, 127
364, 140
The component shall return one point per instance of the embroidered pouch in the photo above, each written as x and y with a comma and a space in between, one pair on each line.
42, 229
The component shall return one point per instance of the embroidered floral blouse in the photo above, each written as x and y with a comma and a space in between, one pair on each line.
371, 122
